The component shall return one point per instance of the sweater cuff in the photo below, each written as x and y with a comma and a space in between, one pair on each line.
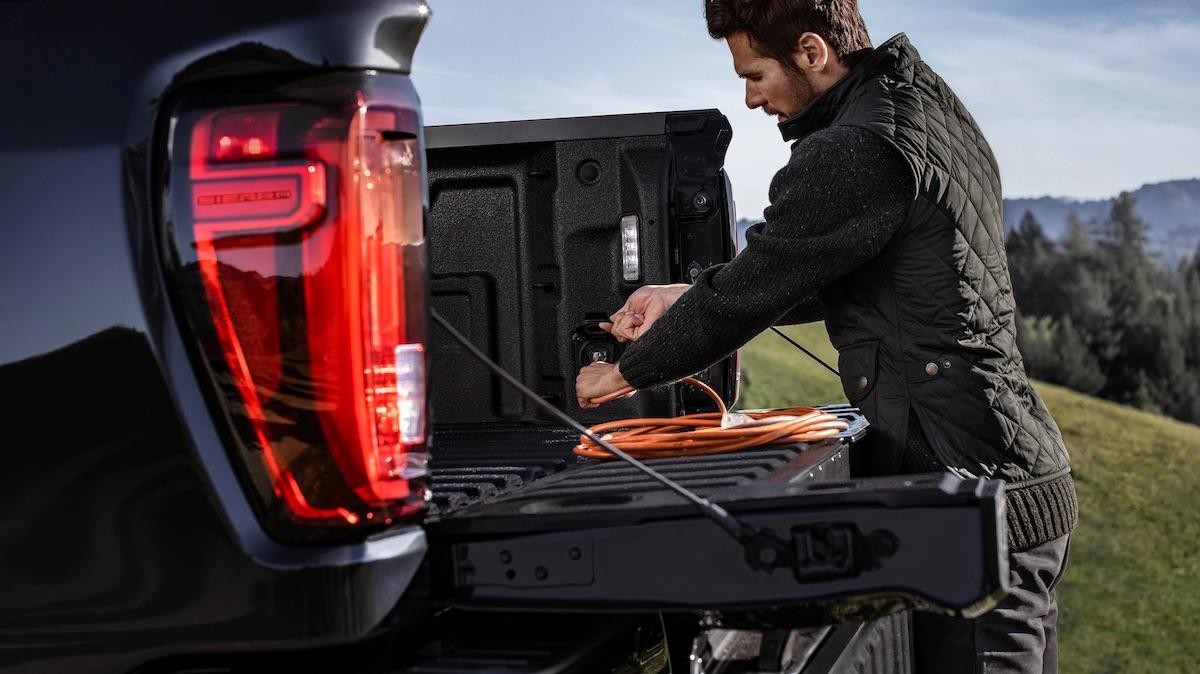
640, 373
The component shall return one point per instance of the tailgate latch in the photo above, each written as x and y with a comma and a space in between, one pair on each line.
820, 551
825, 551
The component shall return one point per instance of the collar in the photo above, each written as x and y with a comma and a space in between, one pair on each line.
896, 53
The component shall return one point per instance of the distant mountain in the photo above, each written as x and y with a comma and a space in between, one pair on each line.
742, 225
1172, 208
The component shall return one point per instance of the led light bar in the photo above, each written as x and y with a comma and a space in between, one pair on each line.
631, 267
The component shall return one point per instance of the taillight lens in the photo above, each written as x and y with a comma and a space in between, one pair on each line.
298, 227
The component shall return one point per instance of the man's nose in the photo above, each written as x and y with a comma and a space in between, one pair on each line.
753, 98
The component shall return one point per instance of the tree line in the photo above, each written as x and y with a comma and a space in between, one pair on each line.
1097, 313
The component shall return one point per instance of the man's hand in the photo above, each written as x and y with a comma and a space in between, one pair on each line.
596, 381
646, 305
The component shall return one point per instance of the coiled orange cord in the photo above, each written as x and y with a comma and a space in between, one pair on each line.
700, 434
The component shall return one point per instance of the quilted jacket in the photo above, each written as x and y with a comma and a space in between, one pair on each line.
927, 329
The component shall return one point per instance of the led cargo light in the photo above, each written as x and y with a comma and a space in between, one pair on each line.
630, 251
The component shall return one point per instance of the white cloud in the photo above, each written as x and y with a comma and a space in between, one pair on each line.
1083, 105
1092, 157
452, 114
593, 95
424, 71
643, 15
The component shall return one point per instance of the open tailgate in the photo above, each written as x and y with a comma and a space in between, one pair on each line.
595, 538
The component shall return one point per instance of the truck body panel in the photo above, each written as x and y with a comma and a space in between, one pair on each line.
130, 540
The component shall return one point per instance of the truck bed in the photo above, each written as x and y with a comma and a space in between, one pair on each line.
521, 464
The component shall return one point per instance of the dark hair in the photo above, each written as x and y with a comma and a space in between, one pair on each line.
775, 26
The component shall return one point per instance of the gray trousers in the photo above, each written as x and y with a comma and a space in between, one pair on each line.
1019, 635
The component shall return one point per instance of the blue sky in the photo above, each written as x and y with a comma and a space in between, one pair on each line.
1078, 99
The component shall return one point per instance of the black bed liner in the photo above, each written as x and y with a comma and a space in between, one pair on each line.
526, 253
502, 464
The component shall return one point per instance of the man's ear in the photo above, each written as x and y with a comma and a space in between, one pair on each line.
812, 53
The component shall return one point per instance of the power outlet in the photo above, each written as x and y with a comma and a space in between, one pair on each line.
594, 344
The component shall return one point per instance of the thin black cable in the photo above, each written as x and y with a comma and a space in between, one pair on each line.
714, 512
810, 353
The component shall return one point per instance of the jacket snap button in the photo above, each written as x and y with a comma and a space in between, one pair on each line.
946, 363
931, 369
862, 383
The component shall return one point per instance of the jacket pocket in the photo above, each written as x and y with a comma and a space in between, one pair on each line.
858, 367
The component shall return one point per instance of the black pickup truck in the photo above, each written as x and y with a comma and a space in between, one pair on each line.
233, 439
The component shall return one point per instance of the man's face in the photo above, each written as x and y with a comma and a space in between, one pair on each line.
780, 92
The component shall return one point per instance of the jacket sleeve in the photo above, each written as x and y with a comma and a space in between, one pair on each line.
842, 196
808, 311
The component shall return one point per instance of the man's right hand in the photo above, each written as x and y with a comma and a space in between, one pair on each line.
646, 305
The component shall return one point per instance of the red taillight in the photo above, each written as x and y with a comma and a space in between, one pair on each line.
360, 274
245, 134
300, 229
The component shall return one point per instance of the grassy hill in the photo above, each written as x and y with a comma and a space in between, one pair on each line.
1130, 601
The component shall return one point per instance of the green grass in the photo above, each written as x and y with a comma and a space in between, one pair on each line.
1130, 601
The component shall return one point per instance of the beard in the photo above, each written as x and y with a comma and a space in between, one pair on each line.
803, 91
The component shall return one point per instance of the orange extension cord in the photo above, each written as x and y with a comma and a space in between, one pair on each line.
699, 434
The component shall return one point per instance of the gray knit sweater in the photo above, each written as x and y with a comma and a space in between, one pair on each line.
841, 197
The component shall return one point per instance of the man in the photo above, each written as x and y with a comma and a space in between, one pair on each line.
886, 223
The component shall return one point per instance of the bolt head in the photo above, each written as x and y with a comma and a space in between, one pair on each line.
767, 555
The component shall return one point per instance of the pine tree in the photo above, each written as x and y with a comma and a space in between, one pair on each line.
1077, 243
1129, 275
1085, 292
1124, 228
1031, 258
1186, 386
1036, 344
1100, 315
1077, 365
1189, 302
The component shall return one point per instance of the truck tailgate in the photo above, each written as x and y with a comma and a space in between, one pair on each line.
600, 536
